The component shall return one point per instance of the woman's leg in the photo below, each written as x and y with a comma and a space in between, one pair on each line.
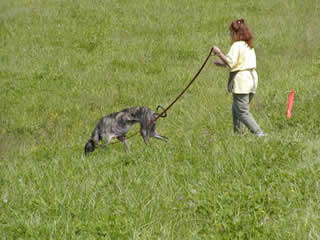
251, 95
236, 121
241, 109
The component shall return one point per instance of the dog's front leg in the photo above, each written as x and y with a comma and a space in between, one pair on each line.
144, 134
156, 135
124, 140
163, 138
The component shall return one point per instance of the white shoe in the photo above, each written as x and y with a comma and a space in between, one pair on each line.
261, 134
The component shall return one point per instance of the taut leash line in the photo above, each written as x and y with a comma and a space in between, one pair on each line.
163, 113
185, 89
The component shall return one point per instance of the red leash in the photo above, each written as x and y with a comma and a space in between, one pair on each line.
184, 90
163, 113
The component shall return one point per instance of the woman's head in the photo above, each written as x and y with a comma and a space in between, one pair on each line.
240, 32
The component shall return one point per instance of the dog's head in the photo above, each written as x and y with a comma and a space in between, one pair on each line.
89, 147
164, 113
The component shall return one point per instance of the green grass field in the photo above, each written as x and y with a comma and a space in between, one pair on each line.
65, 64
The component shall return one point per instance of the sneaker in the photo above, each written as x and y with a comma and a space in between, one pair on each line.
261, 134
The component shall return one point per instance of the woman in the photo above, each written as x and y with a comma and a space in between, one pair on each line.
243, 79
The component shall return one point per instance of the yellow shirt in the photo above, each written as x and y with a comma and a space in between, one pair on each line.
242, 58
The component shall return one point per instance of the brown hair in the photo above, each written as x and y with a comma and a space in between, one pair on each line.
240, 32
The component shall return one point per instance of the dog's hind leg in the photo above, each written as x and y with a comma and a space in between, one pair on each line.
124, 140
107, 140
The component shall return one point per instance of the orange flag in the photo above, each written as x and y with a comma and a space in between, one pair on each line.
290, 103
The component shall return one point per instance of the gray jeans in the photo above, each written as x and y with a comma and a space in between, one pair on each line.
241, 114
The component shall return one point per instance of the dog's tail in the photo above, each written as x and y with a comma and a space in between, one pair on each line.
90, 146
163, 115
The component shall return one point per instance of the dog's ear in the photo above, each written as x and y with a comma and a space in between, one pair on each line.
164, 113
155, 115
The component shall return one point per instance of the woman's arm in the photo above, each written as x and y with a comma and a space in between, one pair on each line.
219, 63
221, 56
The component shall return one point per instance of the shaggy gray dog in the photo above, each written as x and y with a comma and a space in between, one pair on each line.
118, 124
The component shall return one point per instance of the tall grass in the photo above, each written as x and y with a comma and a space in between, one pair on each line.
65, 64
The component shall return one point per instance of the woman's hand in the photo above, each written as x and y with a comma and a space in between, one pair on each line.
223, 58
219, 64
216, 50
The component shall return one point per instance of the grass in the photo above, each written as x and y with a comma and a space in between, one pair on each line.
65, 64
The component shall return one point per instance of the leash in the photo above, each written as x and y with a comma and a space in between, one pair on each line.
185, 89
164, 112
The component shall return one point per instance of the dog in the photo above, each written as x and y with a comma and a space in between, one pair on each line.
119, 123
